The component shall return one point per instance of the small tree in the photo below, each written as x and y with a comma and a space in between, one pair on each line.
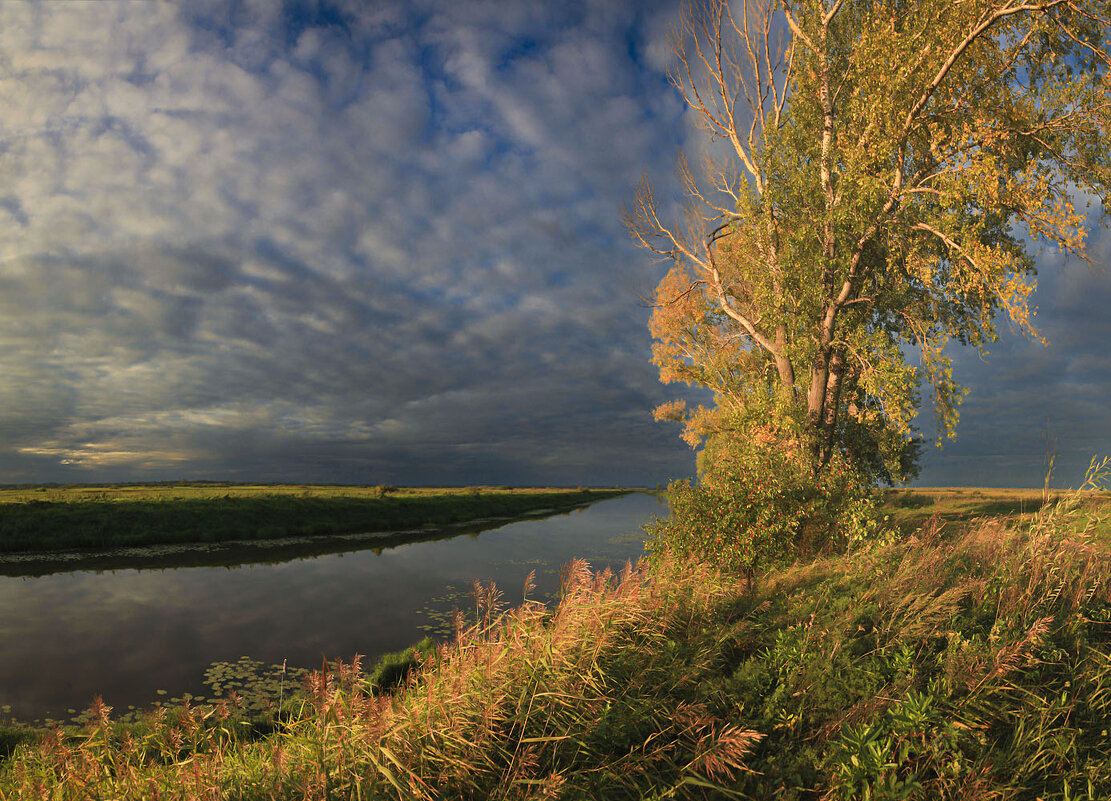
890, 170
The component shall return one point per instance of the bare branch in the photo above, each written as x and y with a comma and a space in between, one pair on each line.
681, 296
645, 227
828, 18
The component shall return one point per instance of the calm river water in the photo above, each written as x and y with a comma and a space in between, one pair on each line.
127, 634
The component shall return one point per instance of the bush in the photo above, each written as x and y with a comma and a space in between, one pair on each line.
764, 505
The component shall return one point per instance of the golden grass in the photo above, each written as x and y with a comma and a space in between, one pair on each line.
910, 509
587, 700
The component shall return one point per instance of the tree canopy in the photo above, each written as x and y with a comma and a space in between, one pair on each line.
881, 177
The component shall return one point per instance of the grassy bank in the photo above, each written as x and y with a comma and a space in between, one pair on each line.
89, 518
950, 663
963, 507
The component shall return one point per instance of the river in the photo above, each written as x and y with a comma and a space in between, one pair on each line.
140, 634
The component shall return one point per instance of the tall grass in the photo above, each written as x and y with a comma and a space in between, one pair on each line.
952, 664
972, 664
597, 698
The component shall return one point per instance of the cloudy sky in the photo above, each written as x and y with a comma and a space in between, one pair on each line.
379, 242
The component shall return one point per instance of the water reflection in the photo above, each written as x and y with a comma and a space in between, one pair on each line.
128, 633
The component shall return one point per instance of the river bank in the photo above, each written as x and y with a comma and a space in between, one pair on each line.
947, 662
943, 663
129, 623
102, 518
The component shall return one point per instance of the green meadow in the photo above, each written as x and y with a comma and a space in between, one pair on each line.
962, 652
102, 517
963, 507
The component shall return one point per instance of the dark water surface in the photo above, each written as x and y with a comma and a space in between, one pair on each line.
128, 633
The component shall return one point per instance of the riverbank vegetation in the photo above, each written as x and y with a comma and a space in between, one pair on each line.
102, 517
948, 662
964, 507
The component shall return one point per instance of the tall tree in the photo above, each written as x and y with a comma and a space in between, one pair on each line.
881, 175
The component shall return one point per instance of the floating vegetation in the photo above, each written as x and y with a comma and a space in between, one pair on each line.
441, 611
632, 536
253, 685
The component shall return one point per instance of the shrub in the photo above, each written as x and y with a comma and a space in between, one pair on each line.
762, 505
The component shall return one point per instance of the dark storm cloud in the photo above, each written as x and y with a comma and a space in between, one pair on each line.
1029, 401
329, 242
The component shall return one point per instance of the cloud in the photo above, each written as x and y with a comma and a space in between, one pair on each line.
380, 243
1028, 401
366, 244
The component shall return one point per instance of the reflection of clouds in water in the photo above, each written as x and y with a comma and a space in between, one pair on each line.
82, 596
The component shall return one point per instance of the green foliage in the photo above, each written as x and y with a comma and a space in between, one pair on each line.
723, 528
13, 735
758, 504
393, 668
950, 667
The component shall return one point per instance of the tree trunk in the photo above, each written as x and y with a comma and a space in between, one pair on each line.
783, 366
828, 432
815, 403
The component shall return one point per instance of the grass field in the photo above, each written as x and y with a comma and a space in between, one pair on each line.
909, 509
103, 517
202, 490
959, 659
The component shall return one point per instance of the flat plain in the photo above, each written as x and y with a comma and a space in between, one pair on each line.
963, 507
85, 517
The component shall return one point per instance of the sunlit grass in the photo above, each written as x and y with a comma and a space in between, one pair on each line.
911, 508
946, 662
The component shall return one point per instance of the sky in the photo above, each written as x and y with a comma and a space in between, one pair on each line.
379, 242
